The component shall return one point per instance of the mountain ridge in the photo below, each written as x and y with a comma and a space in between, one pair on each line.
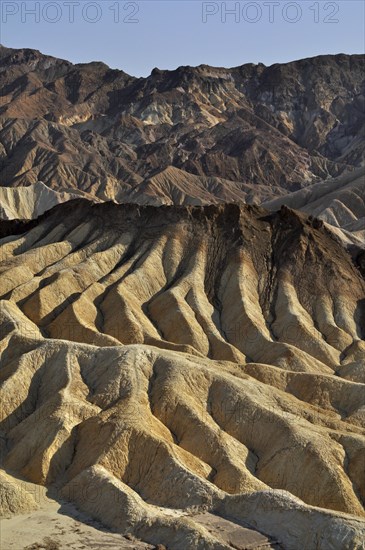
103, 132
8, 51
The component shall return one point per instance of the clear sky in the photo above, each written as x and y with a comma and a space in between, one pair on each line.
140, 35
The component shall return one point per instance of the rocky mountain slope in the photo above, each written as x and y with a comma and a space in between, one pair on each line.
30, 202
180, 362
192, 136
339, 202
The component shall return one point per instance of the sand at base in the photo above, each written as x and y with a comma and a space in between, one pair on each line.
58, 526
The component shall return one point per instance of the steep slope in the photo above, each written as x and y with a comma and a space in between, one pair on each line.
100, 131
339, 202
175, 186
177, 357
31, 202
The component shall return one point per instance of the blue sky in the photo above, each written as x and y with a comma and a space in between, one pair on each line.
138, 36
